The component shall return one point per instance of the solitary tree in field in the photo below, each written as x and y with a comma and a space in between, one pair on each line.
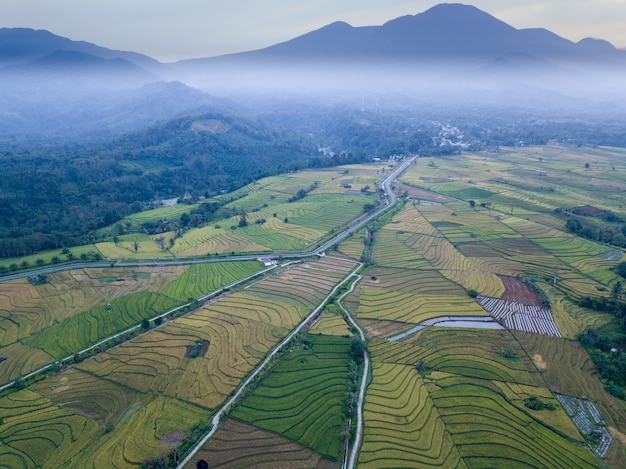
618, 289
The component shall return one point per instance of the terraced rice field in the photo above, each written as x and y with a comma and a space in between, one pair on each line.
87, 395
304, 284
488, 431
332, 323
302, 398
402, 426
388, 305
20, 359
240, 445
28, 311
463, 352
156, 362
565, 365
36, 433
142, 434
210, 240
84, 329
200, 279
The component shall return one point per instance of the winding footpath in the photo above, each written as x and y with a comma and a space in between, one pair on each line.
349, 462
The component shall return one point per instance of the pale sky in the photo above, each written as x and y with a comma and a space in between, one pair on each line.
169, 30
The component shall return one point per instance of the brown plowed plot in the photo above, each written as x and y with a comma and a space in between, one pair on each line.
238, 445
514, 290
305, 284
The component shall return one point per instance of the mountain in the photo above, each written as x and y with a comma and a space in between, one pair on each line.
430, 49
444, 32
19, 46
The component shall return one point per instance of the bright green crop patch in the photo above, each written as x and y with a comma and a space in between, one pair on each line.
86, 328
201, 279
303, 397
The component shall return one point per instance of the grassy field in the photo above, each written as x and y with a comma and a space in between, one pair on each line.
303, 397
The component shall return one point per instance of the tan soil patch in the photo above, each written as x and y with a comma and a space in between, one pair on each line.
615, 433
539, 362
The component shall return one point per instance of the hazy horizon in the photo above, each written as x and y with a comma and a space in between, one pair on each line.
206, 28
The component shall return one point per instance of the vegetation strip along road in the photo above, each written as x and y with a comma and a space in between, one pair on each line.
218, 416
349, 463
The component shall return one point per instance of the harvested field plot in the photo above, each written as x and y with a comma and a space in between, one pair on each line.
380, 329
303, 397
305, 284
521, 317
518, 292
239, 445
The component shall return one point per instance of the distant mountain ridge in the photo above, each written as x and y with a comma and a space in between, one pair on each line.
443, 33
19, 46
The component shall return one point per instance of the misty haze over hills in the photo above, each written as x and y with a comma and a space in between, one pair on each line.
89, 135
450, 55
